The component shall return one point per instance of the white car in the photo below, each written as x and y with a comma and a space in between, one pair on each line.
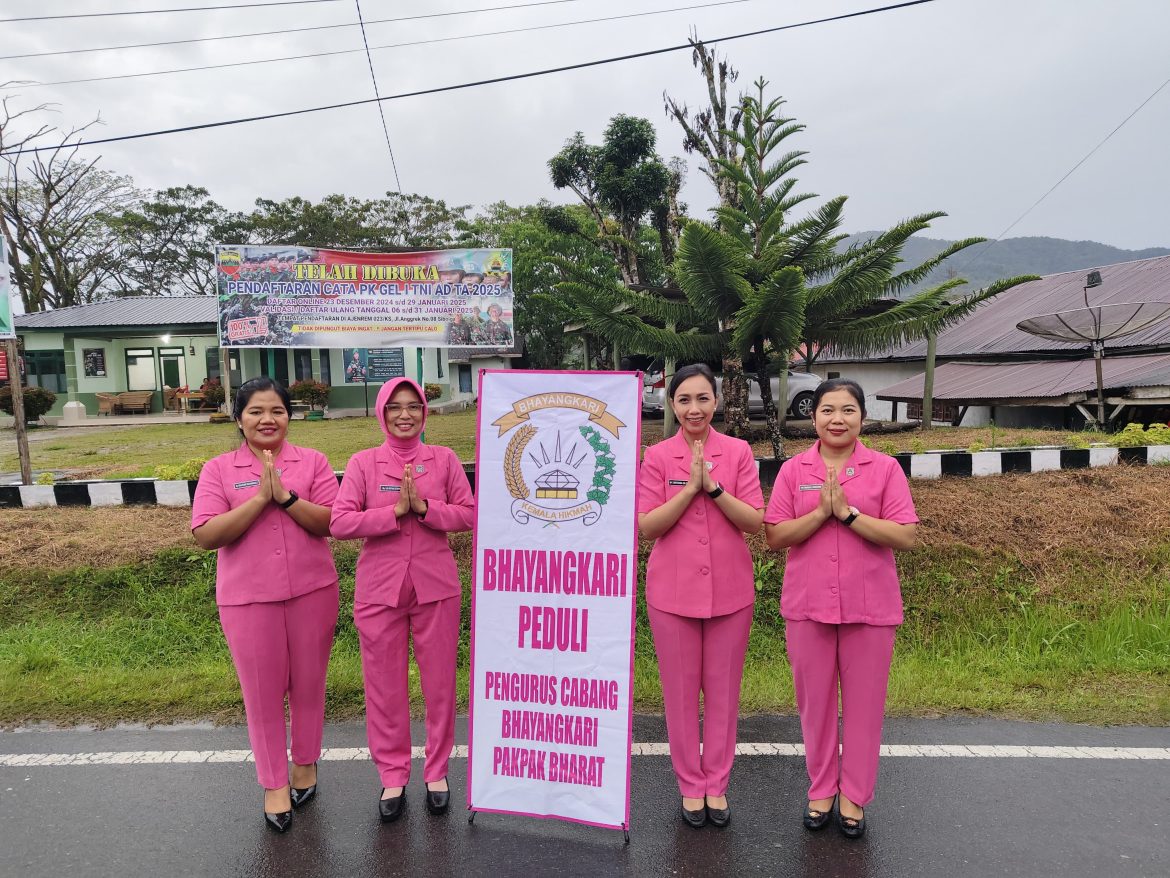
800, 393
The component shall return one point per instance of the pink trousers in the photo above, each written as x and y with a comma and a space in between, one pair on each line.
701, 655
384, 633
856, 658
282, 648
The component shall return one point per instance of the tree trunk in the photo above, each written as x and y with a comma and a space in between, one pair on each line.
783, 391
735, 397
928, 383
669, 424
770, 411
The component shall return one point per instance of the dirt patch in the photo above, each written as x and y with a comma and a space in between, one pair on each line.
67, 538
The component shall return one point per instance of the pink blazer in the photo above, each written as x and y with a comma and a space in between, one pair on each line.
275, 559
393, 548
702, 566
837, 576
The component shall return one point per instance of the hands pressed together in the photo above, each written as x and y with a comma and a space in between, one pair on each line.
409, 499
271, 488
833, 501
700, 476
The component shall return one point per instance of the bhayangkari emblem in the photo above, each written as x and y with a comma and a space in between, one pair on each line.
559, 458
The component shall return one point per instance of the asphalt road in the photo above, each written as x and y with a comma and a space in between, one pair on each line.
934, 816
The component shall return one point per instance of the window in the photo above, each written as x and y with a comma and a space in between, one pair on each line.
212, 356
439, 362
326, 377
45, 369
302, 363
140, 371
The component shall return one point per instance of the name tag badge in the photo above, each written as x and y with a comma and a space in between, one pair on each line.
252, 484
676, 482
850, 471
390, 488
419, 469
811, 487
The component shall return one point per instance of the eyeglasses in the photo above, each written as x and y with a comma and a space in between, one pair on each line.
414, 408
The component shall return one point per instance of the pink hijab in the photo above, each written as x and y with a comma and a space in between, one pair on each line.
405, 449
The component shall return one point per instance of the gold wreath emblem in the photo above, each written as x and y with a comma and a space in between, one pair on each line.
512, 457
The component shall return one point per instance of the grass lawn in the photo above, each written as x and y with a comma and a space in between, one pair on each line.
127, 452
1041, 596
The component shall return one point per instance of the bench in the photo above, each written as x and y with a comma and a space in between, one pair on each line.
135, 401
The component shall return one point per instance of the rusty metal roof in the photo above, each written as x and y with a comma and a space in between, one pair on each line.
991, 330
129, 311
976, 383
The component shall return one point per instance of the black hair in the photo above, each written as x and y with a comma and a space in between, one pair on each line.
840, 384
690, 372
258, 385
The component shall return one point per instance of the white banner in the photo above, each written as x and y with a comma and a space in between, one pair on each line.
556, 572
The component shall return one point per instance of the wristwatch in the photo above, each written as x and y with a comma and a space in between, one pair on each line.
715, 492
849, 519
292, 498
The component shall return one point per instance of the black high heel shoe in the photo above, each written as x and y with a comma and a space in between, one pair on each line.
815, 818
302, 795
391, 809
279, 822
851, 827
719, 817
438, 801
694, 819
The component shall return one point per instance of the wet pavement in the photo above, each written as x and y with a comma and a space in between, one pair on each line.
934, 816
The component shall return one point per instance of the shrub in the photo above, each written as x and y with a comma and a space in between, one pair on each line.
180, 472
37, 401
44, 479
1135, 435
975, 447
214, 395
315, 393
432, 391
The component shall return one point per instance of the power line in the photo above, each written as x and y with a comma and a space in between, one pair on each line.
977, 256
293, 30
335, 52
381, 109
466, 85
159, 11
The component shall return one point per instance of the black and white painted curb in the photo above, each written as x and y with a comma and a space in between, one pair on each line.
929, 465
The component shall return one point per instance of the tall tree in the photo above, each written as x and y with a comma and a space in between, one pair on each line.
543, 238
710, 133
56, 209
167, 244
758, 282
620, 182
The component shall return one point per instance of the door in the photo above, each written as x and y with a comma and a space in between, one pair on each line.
174, 367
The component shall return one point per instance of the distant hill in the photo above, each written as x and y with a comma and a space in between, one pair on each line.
1013, 256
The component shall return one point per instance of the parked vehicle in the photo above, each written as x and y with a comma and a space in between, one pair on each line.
800, 393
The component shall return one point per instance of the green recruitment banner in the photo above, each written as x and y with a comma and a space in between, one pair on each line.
289, 296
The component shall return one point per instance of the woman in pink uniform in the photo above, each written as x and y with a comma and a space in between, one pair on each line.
840, 509
265, 507
699, 493
404, 497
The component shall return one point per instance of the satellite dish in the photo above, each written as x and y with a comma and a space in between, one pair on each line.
1099, 323
1096, 325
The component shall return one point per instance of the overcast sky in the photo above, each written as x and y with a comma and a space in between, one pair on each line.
975, 107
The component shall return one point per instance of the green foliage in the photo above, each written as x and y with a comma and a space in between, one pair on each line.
917, 446
37, 401
214, 394
1134, 435
766, 573
315, 393
45, 478
886, 447
432, 391
186, 471
976, 446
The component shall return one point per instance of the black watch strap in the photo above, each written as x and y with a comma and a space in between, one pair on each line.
292, 498
715, 492
849, 519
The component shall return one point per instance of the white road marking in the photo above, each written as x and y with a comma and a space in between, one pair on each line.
351, 754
